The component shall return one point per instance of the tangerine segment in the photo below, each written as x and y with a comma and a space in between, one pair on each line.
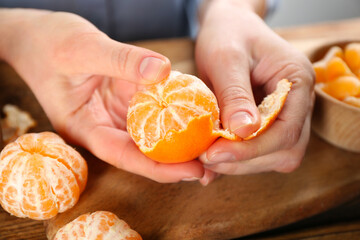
320, 67
343, 87
337, 67
102, 225
352, 57
36, 184
271, 106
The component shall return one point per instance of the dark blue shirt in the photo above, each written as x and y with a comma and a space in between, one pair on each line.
127, 20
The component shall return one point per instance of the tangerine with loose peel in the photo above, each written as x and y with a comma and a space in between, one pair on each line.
40, 176
175, 120
102, 225
178, 119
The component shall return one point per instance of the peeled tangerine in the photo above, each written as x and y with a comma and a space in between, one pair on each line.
321, 67
40, 176
98, 225
177, 119
352, 57
343, 87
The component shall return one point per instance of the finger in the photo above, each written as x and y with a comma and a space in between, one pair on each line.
229, 73
267, 163
282, 134
208, 177
98, 54
117, 148
281, 161
99, 135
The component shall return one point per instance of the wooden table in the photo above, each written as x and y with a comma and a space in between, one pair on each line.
340, 223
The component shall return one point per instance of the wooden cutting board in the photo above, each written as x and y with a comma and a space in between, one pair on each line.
230, 207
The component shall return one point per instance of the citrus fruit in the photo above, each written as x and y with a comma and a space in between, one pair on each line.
337, 67
177, 119
352, 57
355, 101
102, 225
343, 87
320, 67
40, 176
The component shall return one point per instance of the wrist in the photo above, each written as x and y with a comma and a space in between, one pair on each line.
14, 27
259, 7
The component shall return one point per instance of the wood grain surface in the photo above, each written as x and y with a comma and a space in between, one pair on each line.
232, 206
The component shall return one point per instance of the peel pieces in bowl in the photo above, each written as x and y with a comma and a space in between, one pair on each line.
97, 225
178, 119
40, 176
337, 74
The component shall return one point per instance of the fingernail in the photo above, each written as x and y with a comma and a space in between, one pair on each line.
205, 181
150, 69
203, 158
190, 179
222, 157
239, 120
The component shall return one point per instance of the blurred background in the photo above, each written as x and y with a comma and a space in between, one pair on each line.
298, 12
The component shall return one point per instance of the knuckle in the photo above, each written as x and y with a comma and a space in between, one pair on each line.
292, 135
234, 96
300, 72
72, 47
120, 59
226, 54
224, 50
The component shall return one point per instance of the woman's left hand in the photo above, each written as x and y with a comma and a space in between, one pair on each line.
242, 59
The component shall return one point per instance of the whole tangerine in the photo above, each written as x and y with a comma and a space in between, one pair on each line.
40, 176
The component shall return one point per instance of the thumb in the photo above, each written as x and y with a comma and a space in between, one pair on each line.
230, 78
103, 56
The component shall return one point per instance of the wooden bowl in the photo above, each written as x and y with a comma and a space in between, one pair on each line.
333, 120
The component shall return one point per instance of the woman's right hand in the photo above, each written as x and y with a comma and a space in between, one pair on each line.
84, 81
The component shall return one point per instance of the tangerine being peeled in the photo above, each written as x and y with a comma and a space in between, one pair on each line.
40, 176
178, 119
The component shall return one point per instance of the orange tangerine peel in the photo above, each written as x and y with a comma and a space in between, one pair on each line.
97, 225
177, 119
40, 176
271, 106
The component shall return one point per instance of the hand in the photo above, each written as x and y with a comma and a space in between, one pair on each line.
84, 82
242, 59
